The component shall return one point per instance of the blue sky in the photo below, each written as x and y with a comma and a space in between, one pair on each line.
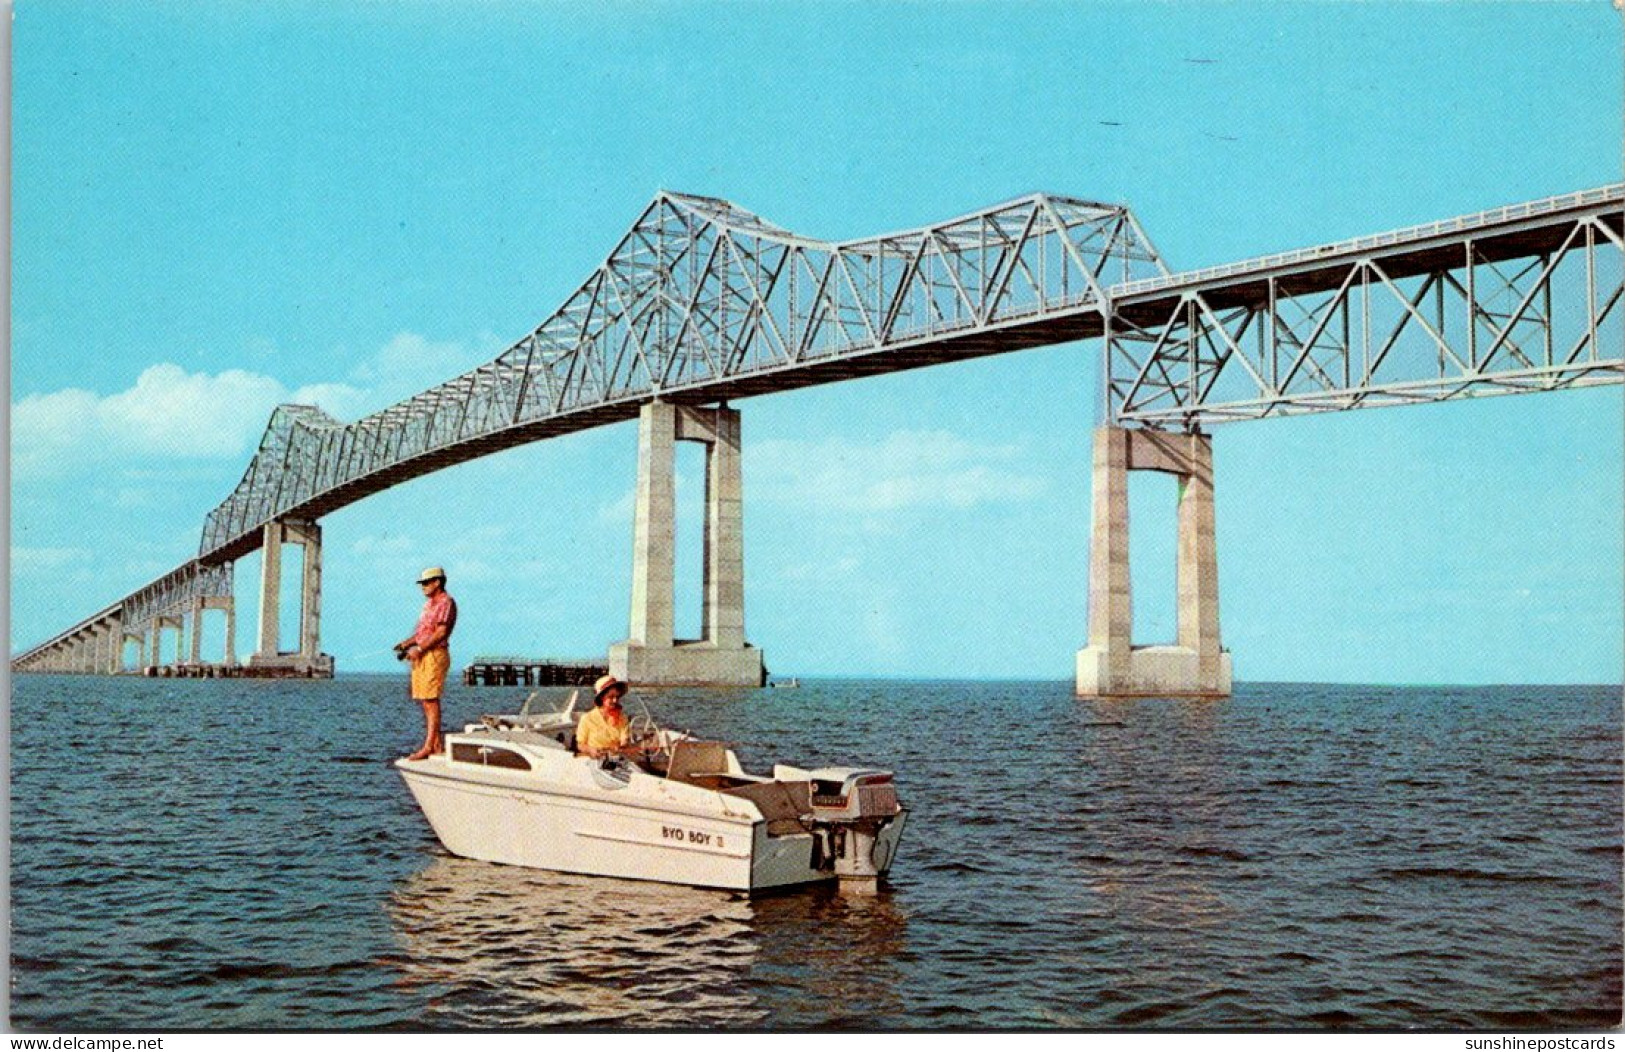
218, 207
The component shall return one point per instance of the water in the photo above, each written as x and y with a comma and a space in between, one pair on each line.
237, 855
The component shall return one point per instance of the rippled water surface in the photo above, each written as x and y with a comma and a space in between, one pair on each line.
238, 854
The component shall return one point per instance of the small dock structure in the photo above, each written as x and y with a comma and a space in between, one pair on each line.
203, 670
506, 671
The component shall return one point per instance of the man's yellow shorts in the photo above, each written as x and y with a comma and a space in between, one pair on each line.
429, 674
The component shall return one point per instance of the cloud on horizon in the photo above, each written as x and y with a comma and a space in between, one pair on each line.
172, 414
905, 470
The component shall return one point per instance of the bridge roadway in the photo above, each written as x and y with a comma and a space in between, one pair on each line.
702, 302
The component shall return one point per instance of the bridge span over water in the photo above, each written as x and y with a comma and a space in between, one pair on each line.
702, 304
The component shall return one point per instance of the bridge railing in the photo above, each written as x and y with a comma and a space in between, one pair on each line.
1559, 203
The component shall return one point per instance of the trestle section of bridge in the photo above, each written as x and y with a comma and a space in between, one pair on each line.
160, 629
158, 626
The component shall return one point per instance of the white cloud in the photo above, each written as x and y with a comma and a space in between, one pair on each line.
466, 556
619, 511
172, 414
906, 469
382, 547
338, 400
168, 412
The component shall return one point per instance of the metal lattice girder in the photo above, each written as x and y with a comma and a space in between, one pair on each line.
1524, 298
702, 300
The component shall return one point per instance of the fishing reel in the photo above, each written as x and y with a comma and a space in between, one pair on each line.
400, 651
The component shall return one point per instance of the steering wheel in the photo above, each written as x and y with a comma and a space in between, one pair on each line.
643, 737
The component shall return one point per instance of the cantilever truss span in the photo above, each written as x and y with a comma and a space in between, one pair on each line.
703, 301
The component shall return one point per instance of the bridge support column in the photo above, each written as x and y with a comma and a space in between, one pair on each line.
1111, 666
270, 593
309, 535
214, 602
308, 660
196, 654
106, 647
652, 655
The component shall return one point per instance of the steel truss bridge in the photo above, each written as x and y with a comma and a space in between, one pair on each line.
702, 301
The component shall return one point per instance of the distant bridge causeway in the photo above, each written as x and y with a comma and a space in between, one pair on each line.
702, 304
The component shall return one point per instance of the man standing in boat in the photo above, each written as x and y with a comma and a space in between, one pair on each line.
428, 649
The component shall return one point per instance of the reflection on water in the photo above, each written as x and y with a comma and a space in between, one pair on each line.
1178, 810
489, 946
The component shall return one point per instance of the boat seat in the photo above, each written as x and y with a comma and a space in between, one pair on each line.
699, 762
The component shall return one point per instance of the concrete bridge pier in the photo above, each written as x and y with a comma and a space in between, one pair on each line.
201, 604
1111, 666
228, 655
652, 655
115, 664
308, 660
106, 633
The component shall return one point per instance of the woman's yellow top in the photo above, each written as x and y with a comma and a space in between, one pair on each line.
595, 730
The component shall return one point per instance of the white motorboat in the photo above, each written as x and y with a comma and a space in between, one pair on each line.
510, 789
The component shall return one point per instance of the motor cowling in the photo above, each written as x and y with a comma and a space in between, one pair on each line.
846, 794
852, 806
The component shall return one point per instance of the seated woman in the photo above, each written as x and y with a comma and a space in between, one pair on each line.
604, 730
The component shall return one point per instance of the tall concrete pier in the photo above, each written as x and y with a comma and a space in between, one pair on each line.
1111, 665
652, 654
308, 659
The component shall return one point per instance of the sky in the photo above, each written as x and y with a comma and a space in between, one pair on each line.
220, 207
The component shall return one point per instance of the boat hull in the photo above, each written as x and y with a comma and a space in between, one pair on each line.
508, 818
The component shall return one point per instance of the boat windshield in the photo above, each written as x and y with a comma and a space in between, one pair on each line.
547, 705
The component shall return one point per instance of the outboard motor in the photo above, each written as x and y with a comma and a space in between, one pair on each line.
850, 808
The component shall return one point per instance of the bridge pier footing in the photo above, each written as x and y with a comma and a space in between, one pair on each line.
1111, 665
652, 655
